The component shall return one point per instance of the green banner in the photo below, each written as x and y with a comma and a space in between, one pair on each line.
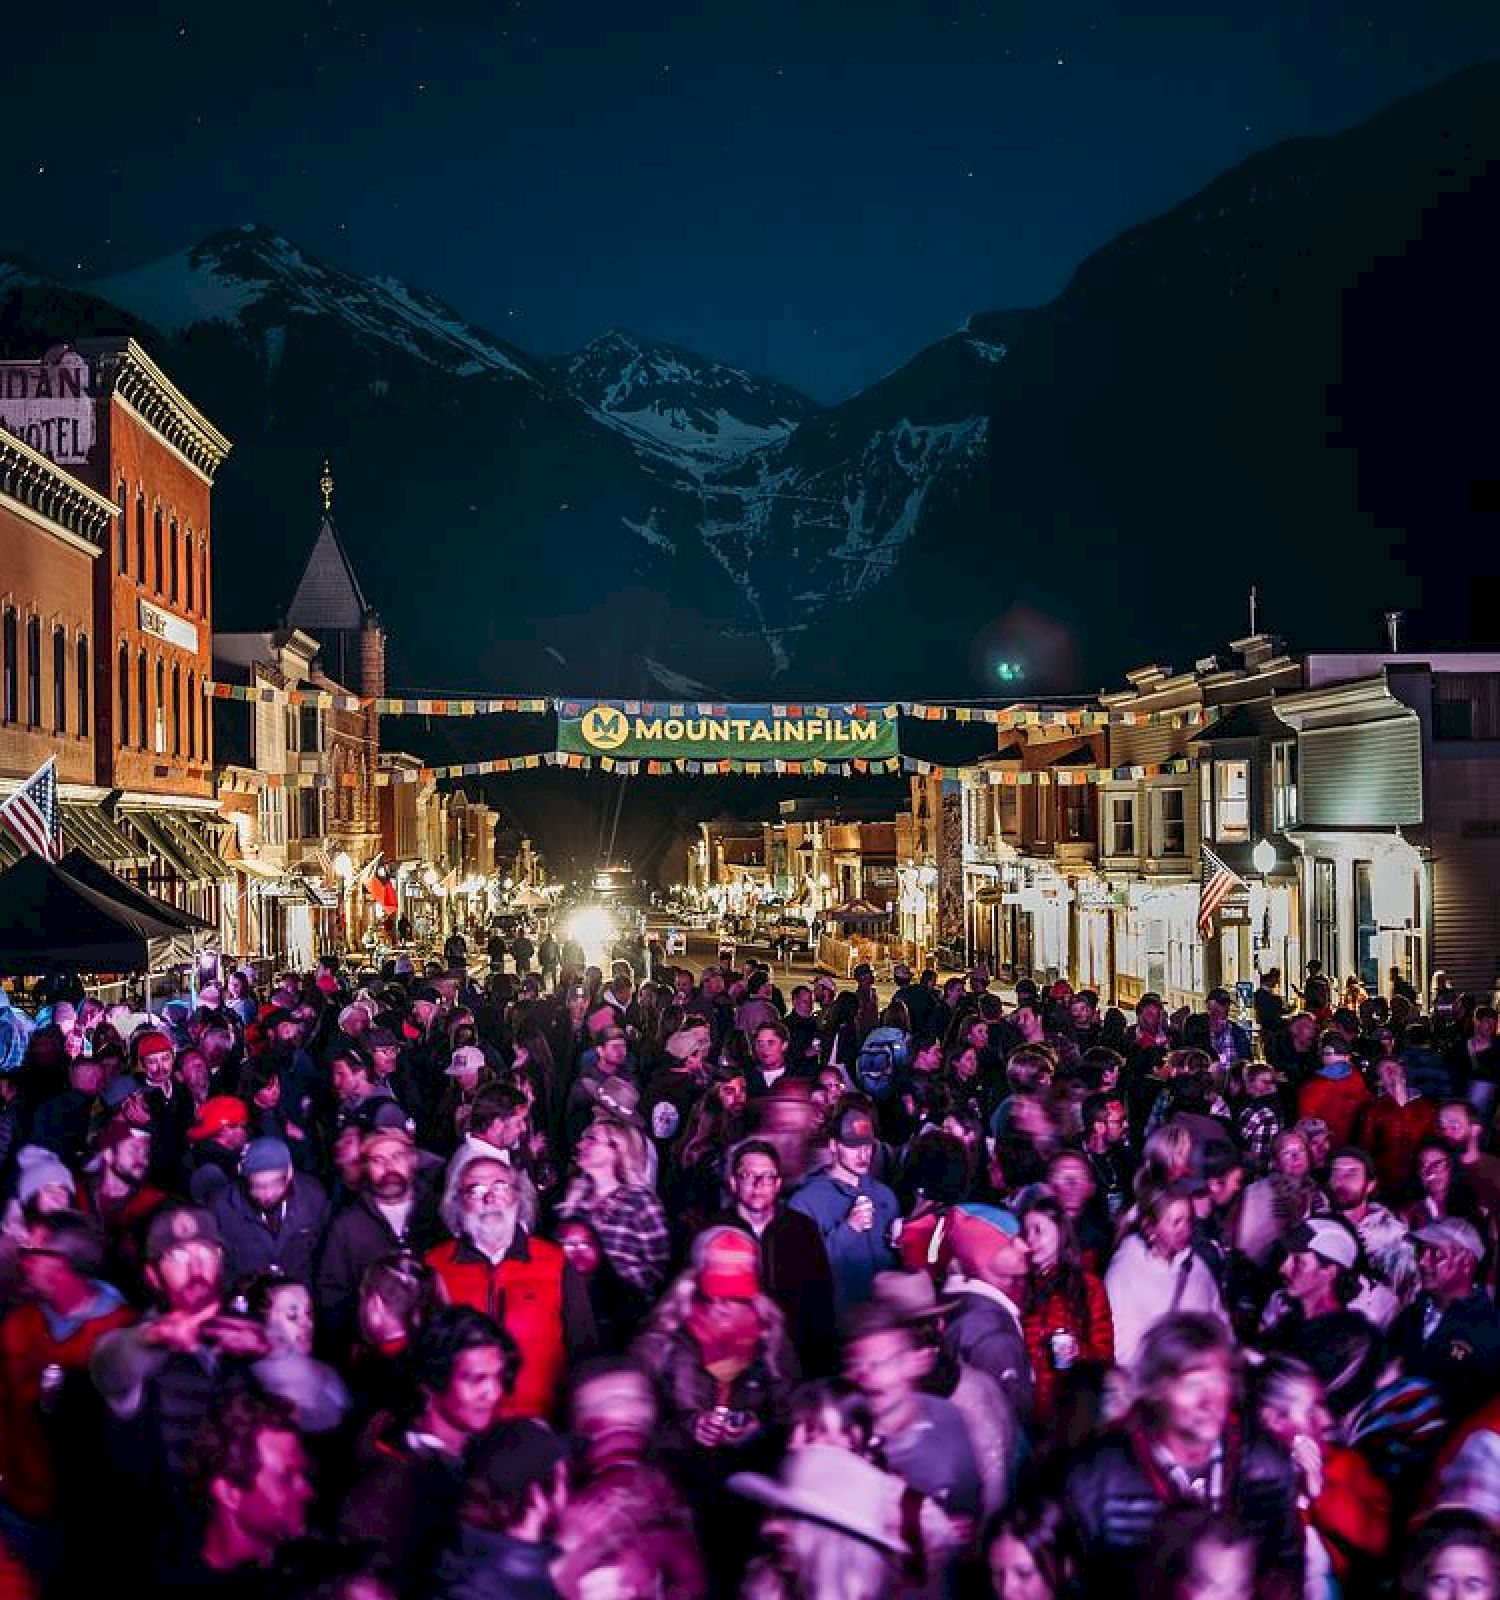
638, 730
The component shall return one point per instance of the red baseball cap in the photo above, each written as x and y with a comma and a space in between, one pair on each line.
219, 1111
729, 1267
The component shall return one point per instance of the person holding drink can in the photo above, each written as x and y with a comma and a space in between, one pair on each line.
854, 1211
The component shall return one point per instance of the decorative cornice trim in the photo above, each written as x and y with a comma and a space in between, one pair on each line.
135, 378
54, 498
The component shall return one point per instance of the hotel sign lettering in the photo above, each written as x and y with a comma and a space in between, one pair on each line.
49, 405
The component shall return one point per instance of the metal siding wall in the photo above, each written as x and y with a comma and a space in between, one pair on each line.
1368, 775
1466, 913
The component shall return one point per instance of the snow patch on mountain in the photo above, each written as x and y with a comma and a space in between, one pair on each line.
649, 531
679, 683
252, 276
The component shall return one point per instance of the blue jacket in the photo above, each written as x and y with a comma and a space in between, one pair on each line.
855, 1257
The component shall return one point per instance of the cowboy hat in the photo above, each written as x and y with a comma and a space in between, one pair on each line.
841, 1490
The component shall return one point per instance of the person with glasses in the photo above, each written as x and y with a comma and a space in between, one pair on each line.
527, 1285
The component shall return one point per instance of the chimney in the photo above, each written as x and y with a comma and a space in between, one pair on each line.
371, 657
1393, 630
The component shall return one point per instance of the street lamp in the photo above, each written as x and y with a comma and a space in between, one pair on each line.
1263, 859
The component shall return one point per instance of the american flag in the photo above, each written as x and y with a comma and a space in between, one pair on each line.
33, 815
1215, 884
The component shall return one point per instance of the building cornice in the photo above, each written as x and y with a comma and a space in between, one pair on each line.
55, 499
131, 376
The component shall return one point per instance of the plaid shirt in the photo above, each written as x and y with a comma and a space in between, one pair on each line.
632, 1229
1257, 1125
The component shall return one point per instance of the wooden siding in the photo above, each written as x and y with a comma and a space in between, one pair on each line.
1366, 775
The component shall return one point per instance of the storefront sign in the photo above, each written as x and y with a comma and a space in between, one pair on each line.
172, 629
47, 404
738, 733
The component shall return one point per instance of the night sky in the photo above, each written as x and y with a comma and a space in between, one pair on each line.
811, 190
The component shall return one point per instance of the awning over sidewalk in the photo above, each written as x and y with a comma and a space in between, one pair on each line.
180, 839
85, 827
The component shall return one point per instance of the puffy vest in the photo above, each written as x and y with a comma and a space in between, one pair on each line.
525, 1296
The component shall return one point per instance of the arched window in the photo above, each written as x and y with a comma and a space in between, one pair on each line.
84, 685
161, 707
176, 710
192, 716
123, 674
140, 536
190, 569
203, 574
12, 692
123, 531
175, 559
156, 539
59, 681
34, 672
142, 703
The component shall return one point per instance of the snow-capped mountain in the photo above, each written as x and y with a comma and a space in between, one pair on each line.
1265, 376
671, 398
255, 278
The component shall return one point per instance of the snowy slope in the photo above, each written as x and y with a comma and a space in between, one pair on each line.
674, 400
254, 277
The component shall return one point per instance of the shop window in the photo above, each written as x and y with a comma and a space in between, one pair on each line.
84, 685
1284, 783
33, 672
1231, 800
59, 681
1170, 830
12, 668
1121, 825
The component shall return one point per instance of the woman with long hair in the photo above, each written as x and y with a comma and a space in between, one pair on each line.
610, 1191
1067, 1319
841, 1032
1155, 1271
694, 1182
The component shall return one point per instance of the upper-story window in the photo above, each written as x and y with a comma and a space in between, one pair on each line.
1170, 823
174, 563
190, 569
122, 530
1284, 783
161, 707
85, 687
140, 536
158, 526
1121, 825
59, 680
1224, 789
123, 674
12, 653
34, 672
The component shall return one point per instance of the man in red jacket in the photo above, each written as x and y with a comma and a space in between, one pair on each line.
45, 1344
1392, 1126
1335, 1092
526, 1285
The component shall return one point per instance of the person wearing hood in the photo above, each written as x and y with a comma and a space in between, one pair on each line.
45, 1346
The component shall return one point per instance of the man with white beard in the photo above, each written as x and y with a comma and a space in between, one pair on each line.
527, 1285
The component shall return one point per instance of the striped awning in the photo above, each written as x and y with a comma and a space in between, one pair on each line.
174, 838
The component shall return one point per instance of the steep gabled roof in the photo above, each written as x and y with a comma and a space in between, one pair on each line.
328, 595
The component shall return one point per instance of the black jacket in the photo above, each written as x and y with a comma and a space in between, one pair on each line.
1116, 1495
358, 1237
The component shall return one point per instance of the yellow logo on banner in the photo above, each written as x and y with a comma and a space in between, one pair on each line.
604, 727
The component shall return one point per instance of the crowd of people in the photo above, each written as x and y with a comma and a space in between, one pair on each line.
365, 1285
